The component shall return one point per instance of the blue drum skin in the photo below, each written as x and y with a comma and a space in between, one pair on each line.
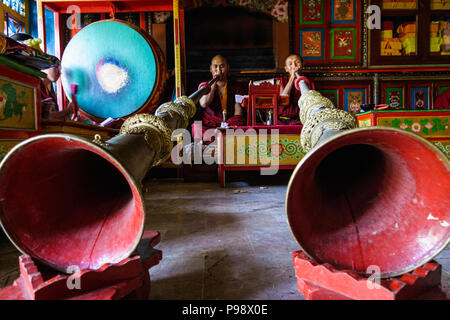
118, 68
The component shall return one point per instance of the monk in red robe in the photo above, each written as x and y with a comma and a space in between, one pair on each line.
49, 102
289, 114
220, 102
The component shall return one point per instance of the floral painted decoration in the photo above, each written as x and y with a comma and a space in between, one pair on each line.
277, 8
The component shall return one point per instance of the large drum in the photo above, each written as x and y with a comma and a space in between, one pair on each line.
118, 68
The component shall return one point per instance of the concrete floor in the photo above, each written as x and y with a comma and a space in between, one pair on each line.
218, 243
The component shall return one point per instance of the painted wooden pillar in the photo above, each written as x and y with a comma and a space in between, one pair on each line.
58, 53
27, 18
41, 25
143, 21
182, 53
376, 88
2, 22
177, 47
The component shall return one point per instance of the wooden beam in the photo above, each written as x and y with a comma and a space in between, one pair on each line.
143, 21
104, 6
58, 53
182, 53
177, 47
41, 25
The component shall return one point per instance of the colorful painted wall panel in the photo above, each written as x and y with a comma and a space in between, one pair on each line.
354, 98
426, 125
311, 12
338, 33
343, 11
394, 96
17, 105
312, 44
432, 125
343, 43
419, 97
248, 150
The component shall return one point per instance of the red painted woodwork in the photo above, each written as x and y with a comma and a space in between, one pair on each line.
263, 90
87, 216
105, 5
327, 25
111, 281
323, 282
372, 196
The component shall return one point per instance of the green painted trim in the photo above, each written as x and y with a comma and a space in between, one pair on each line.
19, 67
300, 15
400, 66
354, 40
397, 111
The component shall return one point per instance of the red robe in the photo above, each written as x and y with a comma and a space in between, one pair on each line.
290, 114
48, 94
212, 115
443, 100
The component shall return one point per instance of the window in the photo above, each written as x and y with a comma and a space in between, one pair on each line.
17, 5
413, 32
13, 16
13, 25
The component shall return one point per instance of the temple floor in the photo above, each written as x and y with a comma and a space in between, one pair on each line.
218, 243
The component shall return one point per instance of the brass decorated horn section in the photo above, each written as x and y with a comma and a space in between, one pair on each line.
366, 199
67, 201
320, 118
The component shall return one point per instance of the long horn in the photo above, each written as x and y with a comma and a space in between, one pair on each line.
365, 197
67, 201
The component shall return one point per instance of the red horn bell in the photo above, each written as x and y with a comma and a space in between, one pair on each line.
371, 197
66, 201
70, 202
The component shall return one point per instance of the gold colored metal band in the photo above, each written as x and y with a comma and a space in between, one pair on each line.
330, 119
188, 104
155, 131
173, 108
311, 101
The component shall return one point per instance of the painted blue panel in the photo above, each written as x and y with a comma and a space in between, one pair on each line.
347, 102
423, 95
322, 44
343, 21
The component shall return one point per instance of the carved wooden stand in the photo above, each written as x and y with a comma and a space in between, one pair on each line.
129, 278
323, 282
